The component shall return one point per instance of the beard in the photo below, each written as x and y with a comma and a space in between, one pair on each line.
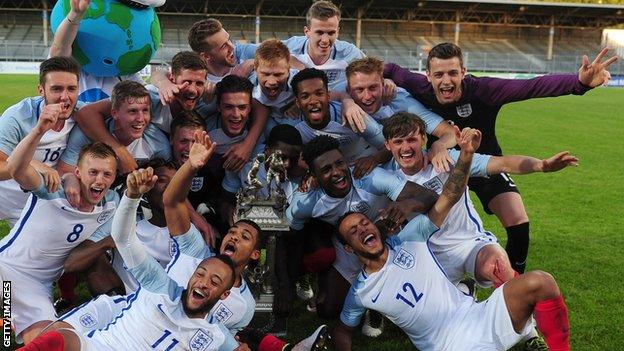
201, 310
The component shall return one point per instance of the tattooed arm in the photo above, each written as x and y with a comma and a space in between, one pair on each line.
455, 186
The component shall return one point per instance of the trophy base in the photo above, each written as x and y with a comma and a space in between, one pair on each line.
264, 302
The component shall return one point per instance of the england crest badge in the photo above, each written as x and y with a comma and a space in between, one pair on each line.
464, 111
197, 183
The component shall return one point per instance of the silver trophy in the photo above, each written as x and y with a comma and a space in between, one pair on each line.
264, 202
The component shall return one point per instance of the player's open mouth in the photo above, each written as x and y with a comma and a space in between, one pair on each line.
138, 127
369, 240
447, 92
271, 92
407, 156
198, 294
340, 183
184, 156
236, 125
229, 249
189, 101
96, 191
315, 114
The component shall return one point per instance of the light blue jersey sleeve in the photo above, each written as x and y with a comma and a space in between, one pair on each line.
300, 209
229, 344
418, 228
16, 122
158, 142
153, 277
192, 243
245, 51
373, 134
42, 192
347, 51
478, 167
405, 102
353, 310
382, 182
77, 139
296, 44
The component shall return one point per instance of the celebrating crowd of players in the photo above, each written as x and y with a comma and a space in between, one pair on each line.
377, 162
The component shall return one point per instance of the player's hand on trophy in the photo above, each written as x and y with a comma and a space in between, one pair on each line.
353, 115
140, 181
201, 151
595, 73
559, 161
469, 140
48, 117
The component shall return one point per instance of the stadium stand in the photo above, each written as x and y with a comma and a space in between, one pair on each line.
496, 35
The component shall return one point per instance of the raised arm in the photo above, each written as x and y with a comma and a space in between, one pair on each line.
458, 179
91, 118
527, 164
19, 163
67, 30
123, 229
175, 197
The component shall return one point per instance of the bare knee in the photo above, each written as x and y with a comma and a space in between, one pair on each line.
491, 259
541, 285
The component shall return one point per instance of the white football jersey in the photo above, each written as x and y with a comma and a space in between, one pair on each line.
462, 223
15, 123
352, 145
236, 311
37, 248
157, 243
410, 289
341, 55
93, 88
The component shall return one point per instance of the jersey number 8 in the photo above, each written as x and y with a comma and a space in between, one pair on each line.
75, 234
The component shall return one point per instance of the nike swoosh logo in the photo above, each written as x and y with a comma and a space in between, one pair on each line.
376, 297
160, 308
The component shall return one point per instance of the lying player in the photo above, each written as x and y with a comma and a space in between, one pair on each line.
160, 312
403, 281
33, 253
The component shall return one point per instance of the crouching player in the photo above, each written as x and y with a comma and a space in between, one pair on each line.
402, 280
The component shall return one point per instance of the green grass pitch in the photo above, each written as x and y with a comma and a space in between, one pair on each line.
577, 215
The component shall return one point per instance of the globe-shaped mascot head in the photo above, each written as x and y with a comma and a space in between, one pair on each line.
113, 38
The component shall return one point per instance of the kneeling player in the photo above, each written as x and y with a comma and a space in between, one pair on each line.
403, 281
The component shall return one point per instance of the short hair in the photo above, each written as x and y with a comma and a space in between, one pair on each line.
233, 84
445, 51
306, 74
228, 261
160, 162
366, 65
127, 89
58, 64
339, 222
97, 150
322, 10
317, 147
403, 123
286, 134
200, 30
187, 118
187, 60
259, 236
271, 49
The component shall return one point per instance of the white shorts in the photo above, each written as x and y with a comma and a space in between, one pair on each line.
95, 314
346, 263
31, 300
461, 258
485, 326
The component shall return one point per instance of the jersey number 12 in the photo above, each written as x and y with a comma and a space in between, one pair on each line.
408, 286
